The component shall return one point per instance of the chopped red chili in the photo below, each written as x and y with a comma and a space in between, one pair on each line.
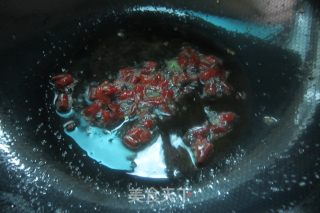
151, 92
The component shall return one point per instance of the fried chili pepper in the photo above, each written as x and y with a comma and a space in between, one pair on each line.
168, 94
126, 73
218, 130
126, 94
148, 123
137, 137
110, 89
210, 89
115, 108
100, 94
145, 79
149, 67
164, 84
158, 78
139, 91
110, 117
63, 103
183, 78
210, 73
155, 101
203, 150
229, 117
92, 110
70, 126
188, 58
199, 132
202, 138
62, 80
208, 62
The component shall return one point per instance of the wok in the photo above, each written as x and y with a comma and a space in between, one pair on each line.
272, 50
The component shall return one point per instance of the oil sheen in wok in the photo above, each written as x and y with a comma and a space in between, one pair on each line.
121, 117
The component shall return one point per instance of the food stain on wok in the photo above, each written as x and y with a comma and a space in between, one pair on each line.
119, 121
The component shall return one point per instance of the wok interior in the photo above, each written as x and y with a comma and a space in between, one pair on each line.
271, 76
